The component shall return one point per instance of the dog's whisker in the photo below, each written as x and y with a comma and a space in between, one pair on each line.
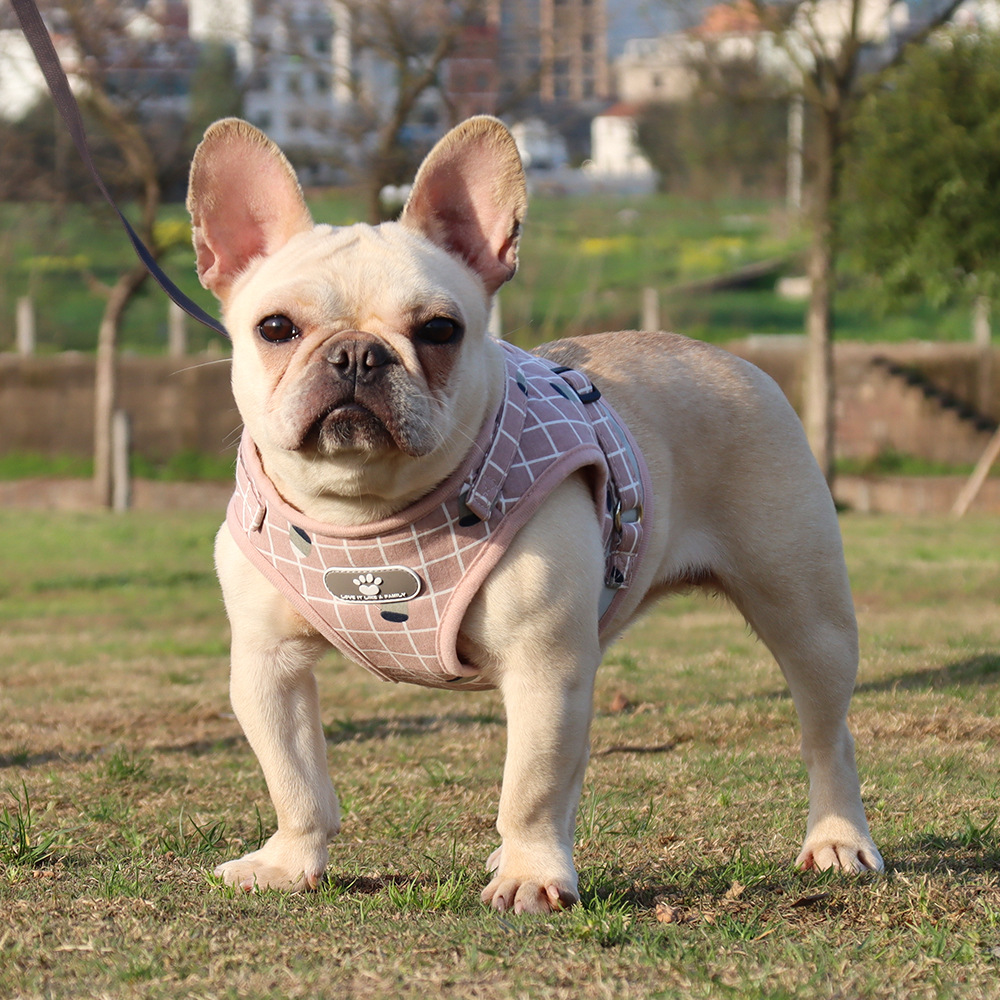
203, 364
233, 437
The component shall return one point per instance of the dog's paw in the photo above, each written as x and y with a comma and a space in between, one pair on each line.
528, 892
845, 850
285, 865
505, 894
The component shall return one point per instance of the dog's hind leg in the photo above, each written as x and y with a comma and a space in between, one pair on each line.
788, 578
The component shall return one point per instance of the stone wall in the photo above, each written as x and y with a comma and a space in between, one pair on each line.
46, 403
880, 411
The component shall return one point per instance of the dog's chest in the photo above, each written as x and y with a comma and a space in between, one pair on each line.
391, 596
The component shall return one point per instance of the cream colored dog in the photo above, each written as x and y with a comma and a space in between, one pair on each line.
398, 314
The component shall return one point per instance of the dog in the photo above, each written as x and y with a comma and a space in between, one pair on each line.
369, 387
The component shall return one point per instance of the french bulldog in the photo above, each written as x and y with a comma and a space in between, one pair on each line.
365, 377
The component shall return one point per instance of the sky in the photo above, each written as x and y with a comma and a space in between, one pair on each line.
647, 19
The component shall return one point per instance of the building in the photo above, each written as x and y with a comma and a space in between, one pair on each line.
553, 51
472, 73
147, 60
21, 82
321, 76
665, 68
292, 58
615, 152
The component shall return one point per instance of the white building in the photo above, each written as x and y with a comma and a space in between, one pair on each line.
21, 81
294, 57
666, 68
541, 147
614, 148
148, 60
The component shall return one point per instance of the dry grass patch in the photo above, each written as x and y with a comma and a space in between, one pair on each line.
124, 779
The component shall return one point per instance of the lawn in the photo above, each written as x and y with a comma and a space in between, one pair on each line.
124, 779
584, 265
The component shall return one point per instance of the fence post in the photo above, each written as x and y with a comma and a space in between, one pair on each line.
650, 309
25, 326
121, 446
176, 331
494, 324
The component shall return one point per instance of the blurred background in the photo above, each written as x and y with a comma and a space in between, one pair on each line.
814, 184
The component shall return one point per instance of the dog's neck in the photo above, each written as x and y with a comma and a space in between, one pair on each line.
372, 490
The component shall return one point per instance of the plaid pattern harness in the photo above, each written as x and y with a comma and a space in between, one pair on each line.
391, 595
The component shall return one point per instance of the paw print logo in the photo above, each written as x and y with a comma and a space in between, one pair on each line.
368, 584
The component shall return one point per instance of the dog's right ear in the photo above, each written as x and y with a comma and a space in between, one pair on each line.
245, 202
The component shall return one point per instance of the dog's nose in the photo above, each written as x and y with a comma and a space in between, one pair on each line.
358, 358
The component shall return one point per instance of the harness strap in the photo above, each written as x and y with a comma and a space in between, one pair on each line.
486, 483
627, 488
38, 38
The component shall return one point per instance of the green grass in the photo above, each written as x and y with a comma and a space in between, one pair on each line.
184, 466
889, 462
584, 263
124, 779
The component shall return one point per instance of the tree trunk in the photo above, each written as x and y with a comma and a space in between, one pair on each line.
106, 380
818, 395
982, 337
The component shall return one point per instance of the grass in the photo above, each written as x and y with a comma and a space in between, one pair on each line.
584, 263
124, 779
183, 466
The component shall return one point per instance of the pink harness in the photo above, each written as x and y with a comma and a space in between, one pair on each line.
391, 595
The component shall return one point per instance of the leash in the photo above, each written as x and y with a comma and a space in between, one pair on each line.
38, 38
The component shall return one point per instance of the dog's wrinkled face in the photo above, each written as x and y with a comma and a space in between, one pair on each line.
359, 352
356, 341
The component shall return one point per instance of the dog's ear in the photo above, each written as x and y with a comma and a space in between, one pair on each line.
470, 197
245, 202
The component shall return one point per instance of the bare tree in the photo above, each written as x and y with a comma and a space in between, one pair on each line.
94, 28
838, 48
400, 50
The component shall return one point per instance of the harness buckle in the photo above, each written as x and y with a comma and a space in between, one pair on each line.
618, 520
589, 395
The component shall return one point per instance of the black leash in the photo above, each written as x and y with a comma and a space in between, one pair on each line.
41, 44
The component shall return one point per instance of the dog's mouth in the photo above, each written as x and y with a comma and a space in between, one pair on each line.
347, 426
340, 409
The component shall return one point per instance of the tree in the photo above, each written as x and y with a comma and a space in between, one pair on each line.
108, 96
726, 136
838, 49
923, 175
410, 43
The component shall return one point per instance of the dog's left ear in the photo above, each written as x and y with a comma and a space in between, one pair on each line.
470, 197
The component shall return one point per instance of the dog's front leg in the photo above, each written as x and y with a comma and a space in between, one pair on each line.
548, 722
274, 695
538, 612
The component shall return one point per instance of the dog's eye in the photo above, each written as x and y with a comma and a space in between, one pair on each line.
440, 330
275, 329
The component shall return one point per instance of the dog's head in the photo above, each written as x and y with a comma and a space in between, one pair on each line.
361, 363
